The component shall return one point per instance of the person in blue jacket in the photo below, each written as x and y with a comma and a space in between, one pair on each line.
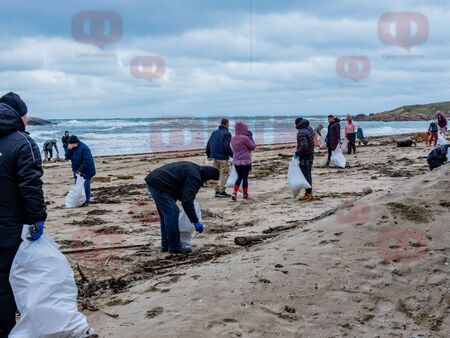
82, 163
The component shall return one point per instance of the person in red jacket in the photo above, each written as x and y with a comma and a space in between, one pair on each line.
243, 145
441, 122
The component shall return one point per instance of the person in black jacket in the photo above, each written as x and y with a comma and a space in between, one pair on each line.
21, 198
177, 181
333, 136
305, 152
438, 156
65, 142
219, 149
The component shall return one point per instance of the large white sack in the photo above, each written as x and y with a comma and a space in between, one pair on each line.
45, 292
296, 179
337, 158
186, 227
76, 196
233, 178
441, 140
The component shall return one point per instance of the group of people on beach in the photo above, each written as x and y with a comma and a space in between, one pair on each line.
437, 127
22, 198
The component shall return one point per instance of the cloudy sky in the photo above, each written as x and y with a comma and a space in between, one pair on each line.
152, 58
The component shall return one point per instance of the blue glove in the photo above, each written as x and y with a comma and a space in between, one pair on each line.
36, 231
199, 227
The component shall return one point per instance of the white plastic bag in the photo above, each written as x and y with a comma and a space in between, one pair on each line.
441, 140
76, 196
337, 158
186, 227
233, 178
296, 179
45, 292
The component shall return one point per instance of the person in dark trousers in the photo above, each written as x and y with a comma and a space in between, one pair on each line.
65, 142
21, 199
243, 145
438, 156
350, 134
48, 149
433, 130
218, 149
333, 137
305, 153
177, 181
82, 164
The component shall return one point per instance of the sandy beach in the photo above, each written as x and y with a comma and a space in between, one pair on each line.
348, 264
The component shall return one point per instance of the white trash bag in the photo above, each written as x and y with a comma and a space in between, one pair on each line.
76, 196
323, 135
296, 179
337, 158
232, 179
441, 140
187, 228
45, 292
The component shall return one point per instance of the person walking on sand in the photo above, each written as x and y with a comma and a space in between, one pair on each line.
433, 130
441, 122
243, 145
82, 164
21, 199
48, 149
177, 181
350, 134
333, 137
305, 153
65, 142
218, 149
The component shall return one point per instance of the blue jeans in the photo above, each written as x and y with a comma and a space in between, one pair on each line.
168, 213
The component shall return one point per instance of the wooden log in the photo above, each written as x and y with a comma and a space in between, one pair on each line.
82, 250
250, 240
102, 179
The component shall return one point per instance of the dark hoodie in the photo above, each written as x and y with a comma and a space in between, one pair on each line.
21, 198
334, 134
182, 181
305, 137
438, 156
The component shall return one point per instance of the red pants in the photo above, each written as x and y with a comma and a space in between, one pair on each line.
433, 138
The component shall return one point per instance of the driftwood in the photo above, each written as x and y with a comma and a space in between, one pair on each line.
250, 240
81, 250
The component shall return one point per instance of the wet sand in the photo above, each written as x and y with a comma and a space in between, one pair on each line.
345, 264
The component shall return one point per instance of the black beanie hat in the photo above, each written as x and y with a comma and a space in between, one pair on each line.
14, 101
209, 173
298, 120
73, 139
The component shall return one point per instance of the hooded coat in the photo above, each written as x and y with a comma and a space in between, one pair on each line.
334, 134
21, 198
242, 144
82, 160
305, 138
182, 180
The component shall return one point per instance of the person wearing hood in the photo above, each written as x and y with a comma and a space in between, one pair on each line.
48, 149
243, 144
82, 164
177, 181
438, 156
219, 150
350, 134
441, 122
305, 153
333, 137
21, 199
